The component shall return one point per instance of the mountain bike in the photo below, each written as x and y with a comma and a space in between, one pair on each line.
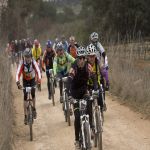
52, 87
29, 110
85, 131
66, 102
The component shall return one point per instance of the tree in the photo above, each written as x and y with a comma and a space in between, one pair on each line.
117, 16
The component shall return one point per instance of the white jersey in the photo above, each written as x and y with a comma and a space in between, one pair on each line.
100, 49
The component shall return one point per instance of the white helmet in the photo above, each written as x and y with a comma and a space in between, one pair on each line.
27, 52
59, 46
94, 36
81, 51
91, 50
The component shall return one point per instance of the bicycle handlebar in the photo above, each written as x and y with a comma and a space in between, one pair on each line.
28, 89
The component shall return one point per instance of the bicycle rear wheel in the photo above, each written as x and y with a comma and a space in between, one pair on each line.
99, 131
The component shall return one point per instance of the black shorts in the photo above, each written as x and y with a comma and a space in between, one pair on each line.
30, 83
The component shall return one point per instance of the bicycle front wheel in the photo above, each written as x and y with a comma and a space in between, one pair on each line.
52, 91
30, 121
31, 132
87, 135
68, 110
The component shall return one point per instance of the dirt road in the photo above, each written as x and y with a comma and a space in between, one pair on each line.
123, 128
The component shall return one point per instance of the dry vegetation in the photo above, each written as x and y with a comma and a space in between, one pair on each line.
6, 106
130, 74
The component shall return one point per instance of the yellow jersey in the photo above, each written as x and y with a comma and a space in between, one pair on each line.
36, 53
90, 82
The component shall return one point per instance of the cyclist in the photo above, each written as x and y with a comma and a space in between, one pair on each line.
65, 43
100, 52
55, 43
29, 43
60, 65
72, 48
79, 74
48, 58
36, 50
37, 54
23, 45
28, 67
94, 62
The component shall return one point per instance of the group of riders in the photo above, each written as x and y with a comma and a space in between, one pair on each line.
85, 68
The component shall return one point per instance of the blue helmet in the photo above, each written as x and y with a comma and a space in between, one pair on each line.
49, 44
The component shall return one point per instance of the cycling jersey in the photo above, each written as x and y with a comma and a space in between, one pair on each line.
80, 77
100, 51
61, 64
28, 70
96, 70
48, 58
36, 53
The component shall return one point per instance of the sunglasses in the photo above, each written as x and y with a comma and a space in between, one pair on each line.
81, 57
91, 56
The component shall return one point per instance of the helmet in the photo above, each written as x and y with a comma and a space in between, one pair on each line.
94, 36
59, 46
27, 52
81, 51
36, 42
91, 50
49, 44
56, 40
16, 42
72, 38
